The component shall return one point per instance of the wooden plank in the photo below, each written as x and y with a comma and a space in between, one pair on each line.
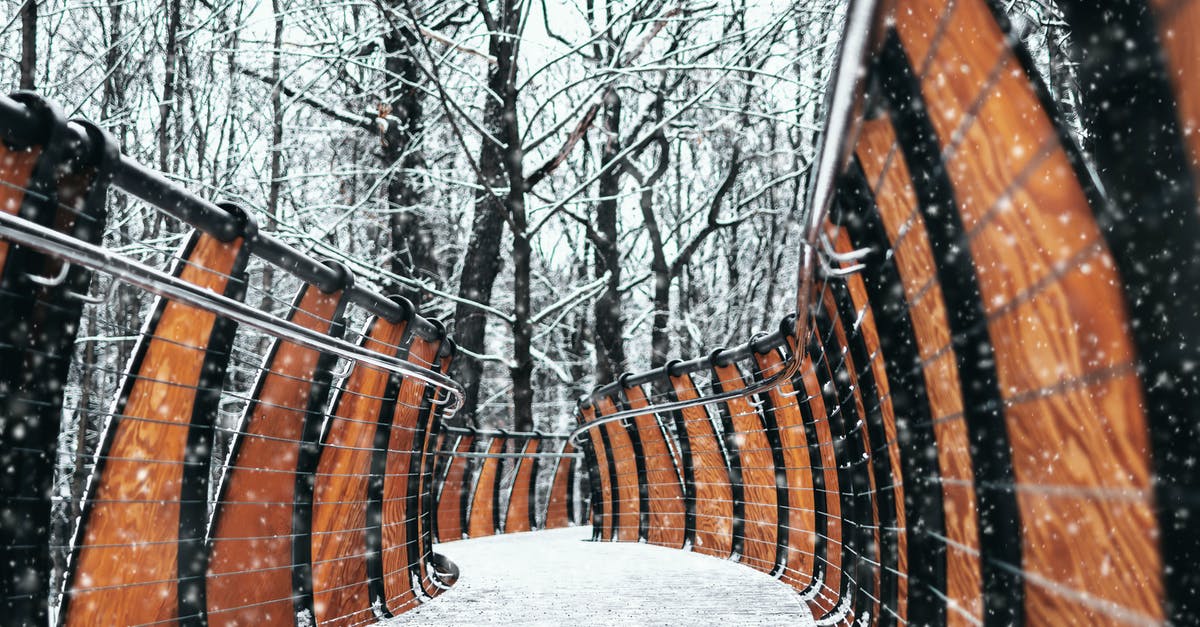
402, 468
251, 572
666, 524
890, 180
604, 515
710, 491
558, 506
452, 497
139, 554
341, 588
881, 423
1057, 316
798, 513
750, 453
520, 514
421, 526
484, 516
625, 460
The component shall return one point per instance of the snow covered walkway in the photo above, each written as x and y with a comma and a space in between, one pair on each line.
557, 578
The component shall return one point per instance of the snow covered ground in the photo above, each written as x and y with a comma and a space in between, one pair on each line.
557, 578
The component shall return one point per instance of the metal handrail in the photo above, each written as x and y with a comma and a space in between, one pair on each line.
23, 232
19, 125
843, 104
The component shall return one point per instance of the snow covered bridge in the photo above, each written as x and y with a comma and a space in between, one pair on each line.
983, 410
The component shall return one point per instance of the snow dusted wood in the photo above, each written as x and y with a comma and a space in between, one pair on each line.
483, 519
253, 571
520, 515
555, 577
140, 554
667, 511
709, 492
400, 537
452, 496
625, 462
559, 510
342, 491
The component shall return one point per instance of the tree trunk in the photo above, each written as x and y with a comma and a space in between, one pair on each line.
609, 329
167, 103
29, 16
481, 261
412, 240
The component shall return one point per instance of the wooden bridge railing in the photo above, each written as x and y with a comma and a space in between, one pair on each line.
493, 482
250, 468
994, 417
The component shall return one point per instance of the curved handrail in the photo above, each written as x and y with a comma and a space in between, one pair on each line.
26, 233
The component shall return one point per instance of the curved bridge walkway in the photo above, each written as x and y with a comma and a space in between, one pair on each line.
556, 577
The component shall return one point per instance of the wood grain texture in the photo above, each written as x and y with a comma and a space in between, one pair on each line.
341, 593
518, 517
828, 594
424, 497
250, 575
1057, 316
801, 525
482, 521
606, 488
451, 495
713, 492
405, 444
126, 566
558, 508
628, 505
760, 499
889, 179
870, 336
663, 486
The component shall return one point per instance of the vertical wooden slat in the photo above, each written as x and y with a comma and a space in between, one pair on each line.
797, 509
452, 496
627, 492
747, 443
139, 554
558, 507
520, 514
341, 588
664, 489
251, 574
710, 492
483, 516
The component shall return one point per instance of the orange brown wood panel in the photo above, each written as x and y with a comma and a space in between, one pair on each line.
1058, 323
250, 569
520, 497
588, 414
402, 449
126, 566
714, 494
558, 509
16, 168
760, 499
433, 585
482, 520
841, 346
452, 494
889, 179
829, 593
858, 296
628, 504
801, 539
339, 545
667, 509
